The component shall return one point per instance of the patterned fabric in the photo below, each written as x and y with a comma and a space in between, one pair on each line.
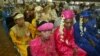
66, 48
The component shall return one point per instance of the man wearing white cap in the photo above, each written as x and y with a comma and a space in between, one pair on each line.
20, 34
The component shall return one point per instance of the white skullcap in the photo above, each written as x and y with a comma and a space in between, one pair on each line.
38, 8
18, 16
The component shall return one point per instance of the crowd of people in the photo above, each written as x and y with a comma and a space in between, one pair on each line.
53, 29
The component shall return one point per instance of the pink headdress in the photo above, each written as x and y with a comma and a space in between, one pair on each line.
45, 26
68, 14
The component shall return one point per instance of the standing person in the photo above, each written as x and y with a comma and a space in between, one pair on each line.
21, 33
43, 44
64, 36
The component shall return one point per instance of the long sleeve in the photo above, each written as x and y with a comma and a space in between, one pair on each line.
34, 22
35, 47
72, 43
13, 37
34, 25
61, 47
93, 38
53, 51
32, 30
77, 35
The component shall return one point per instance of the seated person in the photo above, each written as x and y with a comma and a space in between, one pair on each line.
21, 33
43, 44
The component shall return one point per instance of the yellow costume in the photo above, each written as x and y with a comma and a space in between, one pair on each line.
21, 36
34, 24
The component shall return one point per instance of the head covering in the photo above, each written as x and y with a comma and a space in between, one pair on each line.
66, 6
45, 26
85, 13
38, 8
68, 14
18, 16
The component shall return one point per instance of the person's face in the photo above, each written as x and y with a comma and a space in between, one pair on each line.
20, 22
45, 34
68, 23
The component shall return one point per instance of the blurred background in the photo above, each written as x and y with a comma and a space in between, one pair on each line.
8, 7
